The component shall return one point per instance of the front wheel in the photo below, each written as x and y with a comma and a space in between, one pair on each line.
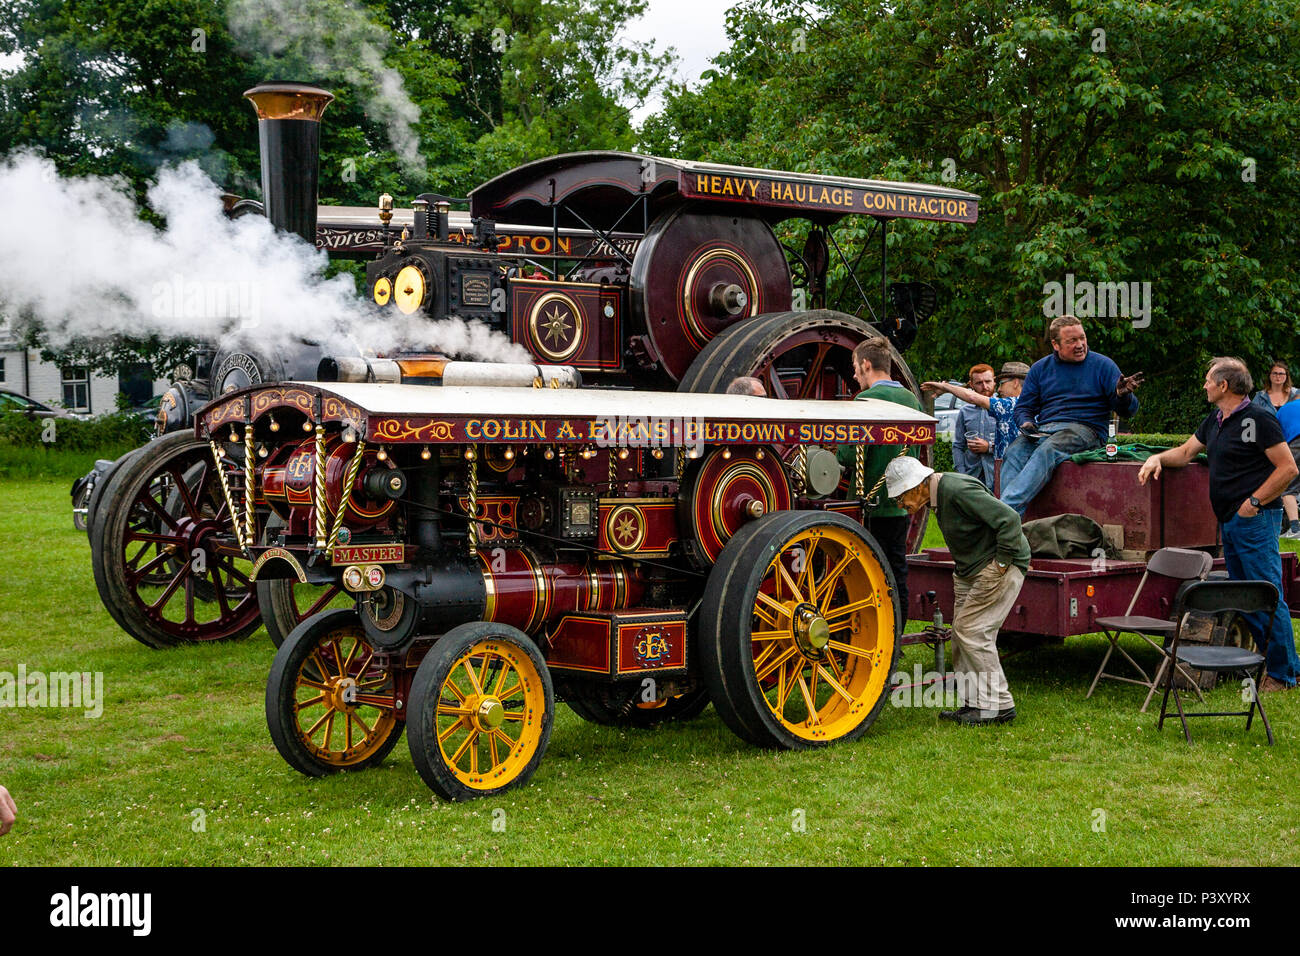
481, 710
798, 630
330, 705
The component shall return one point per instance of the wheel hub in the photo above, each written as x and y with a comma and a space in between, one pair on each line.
489, 713
197, 534
811, 632
342, 692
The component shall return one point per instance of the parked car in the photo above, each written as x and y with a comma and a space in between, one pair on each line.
946, 409
16, 402
147, 412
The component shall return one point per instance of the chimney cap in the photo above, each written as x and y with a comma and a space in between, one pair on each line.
280, 100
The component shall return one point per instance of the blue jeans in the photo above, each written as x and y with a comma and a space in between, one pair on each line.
1250, 552
1029, 463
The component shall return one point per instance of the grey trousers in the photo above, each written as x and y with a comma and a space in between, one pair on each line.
982, 602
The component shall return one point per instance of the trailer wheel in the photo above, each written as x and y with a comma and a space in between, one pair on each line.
481, 709
611, 709
330, 705
157, 569
798, 630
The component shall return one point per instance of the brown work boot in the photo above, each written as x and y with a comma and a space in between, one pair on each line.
1271, 683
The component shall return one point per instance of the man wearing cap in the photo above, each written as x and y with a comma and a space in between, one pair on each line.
991, 556
1001, 406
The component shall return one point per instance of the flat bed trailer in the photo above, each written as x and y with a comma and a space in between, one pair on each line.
1065, 597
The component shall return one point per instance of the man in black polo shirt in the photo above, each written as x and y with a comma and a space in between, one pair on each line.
1250, 468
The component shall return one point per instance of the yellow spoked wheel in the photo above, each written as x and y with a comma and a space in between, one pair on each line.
481, 710
799, 630
330, 705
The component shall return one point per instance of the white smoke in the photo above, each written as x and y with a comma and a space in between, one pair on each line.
76, 258
335, 39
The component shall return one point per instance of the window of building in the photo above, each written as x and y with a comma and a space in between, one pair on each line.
2, 368
76, 388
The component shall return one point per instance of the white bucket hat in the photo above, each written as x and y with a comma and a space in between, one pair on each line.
903, 474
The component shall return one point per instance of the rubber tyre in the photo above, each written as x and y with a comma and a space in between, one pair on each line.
97, 495
443, 667
293, 673
727, 615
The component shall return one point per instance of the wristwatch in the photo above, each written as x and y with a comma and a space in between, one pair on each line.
1254, 503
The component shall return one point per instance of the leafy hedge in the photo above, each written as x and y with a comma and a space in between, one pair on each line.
73, 446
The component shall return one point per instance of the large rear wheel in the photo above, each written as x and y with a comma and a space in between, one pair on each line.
803, 355
159, 538
799, 631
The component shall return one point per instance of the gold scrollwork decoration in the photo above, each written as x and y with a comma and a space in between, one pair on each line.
270, 398
390, 429
894, 435
336, 408
228, 411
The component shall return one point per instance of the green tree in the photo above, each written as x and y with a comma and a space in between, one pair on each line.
1115, 141
118, 87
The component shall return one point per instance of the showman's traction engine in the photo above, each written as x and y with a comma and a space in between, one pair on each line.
448, 545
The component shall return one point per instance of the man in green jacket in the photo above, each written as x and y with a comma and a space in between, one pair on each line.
991, 555
885, 521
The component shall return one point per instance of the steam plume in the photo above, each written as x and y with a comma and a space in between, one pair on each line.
75, 256
334, 38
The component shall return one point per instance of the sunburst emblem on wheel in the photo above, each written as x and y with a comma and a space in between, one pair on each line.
555, 327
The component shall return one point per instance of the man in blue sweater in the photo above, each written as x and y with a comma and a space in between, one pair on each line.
1064, 409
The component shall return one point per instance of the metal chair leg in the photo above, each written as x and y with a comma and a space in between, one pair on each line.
1257, 702
1164, 702
1164, 665
1181, 716
1102, 669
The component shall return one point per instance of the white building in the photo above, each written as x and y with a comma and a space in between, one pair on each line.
72, 386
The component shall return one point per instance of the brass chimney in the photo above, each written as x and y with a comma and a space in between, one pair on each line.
288, 127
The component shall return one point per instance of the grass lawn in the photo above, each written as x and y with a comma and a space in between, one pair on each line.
180, 768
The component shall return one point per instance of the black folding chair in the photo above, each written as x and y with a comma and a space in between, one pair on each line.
1180, 564
1213, 597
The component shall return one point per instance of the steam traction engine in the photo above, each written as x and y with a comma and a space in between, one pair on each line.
638, 554
635, 271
